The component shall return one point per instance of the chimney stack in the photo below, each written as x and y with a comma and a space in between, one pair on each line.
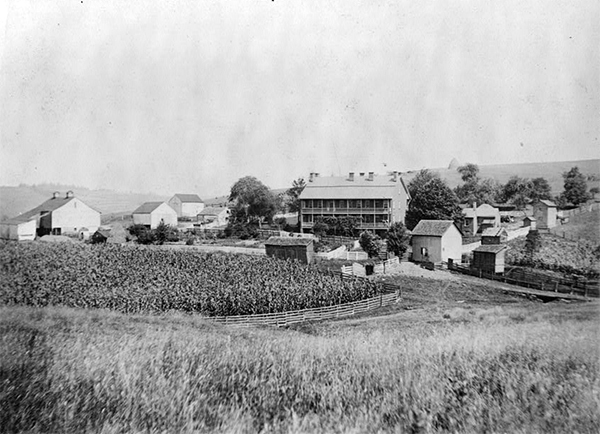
395, 176
69, 194
371, 176
55, 194
351, 176
474, 205
311, 177
362, 174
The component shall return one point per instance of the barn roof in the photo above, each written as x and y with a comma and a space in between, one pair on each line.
432, 228
490, 248
47, 206
189, 198
288, 241
212, 210
530, 218
548, 203
147, 207
340, 187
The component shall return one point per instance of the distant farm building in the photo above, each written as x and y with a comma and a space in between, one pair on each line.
531, 222
300, 249
477, 219
101, 236
497, 235
214, 216
545, 213
186, 205
56, 216
436, 241
377, 200
489, 258
151, 214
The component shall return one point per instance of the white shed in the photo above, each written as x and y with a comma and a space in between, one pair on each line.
151, 214
18, 229
436, 241
186, 205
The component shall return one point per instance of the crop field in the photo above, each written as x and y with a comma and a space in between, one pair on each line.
518, 368
145, 279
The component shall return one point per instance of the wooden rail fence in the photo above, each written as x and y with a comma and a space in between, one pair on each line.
320, 313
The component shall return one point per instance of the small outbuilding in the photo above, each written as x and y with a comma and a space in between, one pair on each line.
101, 236
530, 222
151, 214
436, 241
496, 235
18, 229
489, 258
478, 218
300, 249
545, 212
214, 216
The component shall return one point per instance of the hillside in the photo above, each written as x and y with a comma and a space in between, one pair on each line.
502, 172
16, 200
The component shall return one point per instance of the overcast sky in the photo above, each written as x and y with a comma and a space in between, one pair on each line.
176, 96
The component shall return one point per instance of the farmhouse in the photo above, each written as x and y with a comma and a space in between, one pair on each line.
489, 258
545, 213
479, 218
56, 216
186, 205
214, 216
436, 241
151, 214
377, 200
497, 235
300, 249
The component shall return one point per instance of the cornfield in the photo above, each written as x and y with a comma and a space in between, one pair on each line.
146, 279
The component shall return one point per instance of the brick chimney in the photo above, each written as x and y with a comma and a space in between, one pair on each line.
395, 176
371, 176
351, 176
55, 194
69, 194
311, 177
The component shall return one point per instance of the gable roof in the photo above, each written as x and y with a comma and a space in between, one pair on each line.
433, 228
48, 206
494, 232
148, 208
288, 241
490, 248
340, 187
189, 198
483, 210
212, 210
548, 203
530, 218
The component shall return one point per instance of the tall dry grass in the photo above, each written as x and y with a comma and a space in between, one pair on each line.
494, 371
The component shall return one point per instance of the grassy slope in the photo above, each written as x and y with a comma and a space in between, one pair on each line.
463, 358
585, 226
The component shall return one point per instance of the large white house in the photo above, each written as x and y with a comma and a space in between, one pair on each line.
57, 216
150, 214
186, 205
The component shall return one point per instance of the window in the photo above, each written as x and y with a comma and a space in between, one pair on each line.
424, 252
368, 204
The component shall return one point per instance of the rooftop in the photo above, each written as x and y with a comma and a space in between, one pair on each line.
189, 198
147, 207
48, 206
359, 187
548, 203
432, 228
491, 248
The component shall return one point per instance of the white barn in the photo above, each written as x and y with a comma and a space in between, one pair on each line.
186, 205
150, 214
436, 241
56, 216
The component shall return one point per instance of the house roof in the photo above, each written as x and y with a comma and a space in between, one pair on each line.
288, 241
189, 198
340, 187
483, 210
548, 203
212, 210
432, 228
148, 208
494, 232
490, 248
47, 206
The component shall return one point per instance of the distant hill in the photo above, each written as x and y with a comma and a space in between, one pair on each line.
17, 200
502, 172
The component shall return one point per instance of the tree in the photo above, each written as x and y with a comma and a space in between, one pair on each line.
294, 193
370, 243
540, 189
474, 188
469, 173
431, 199
253, 201
517, 191
164, 232
575, 184
397, 239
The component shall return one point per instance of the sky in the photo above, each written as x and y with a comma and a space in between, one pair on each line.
189, 96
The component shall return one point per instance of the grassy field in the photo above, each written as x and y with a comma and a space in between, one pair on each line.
452, 357
584, 226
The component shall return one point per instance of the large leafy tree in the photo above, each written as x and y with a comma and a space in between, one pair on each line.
474, 188
431, 199
521, 191
575, 184
397, 239
293, 194
252, 201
